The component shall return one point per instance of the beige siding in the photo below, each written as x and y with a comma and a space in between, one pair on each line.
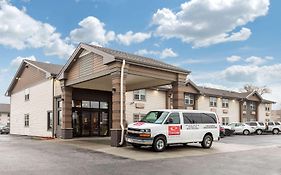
30, 76
4, 119
154, 100
86, 65
232, 110
262, 114
40, 102
57, 88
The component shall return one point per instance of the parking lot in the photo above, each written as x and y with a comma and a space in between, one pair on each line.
232, 155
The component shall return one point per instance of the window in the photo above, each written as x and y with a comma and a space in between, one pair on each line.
139, 95
252, 105
245, 105
103, 105
267, 107
208, 118
26, 120
190, 118
174, 118
225, 103
276, 123
76, 103
189, 99
59, 112
95, 104
213, 101
225, 120
49, 120
26, 94
155, 117
86, 104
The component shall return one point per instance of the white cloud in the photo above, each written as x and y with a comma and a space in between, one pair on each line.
233, 58
255, 60
168, 52
130, 37
17, 61
92, 31
207, 22
18, 30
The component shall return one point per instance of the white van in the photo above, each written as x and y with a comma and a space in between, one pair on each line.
160, 128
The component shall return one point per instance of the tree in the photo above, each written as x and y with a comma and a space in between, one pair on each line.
261, 90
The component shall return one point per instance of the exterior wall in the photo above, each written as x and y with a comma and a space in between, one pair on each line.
203, 103
40, 102
4, 118
275, 115
57, 88
154, 100
264, 115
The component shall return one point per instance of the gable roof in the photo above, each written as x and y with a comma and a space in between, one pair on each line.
4, 108
110, 55
219, 92
192, 84
49, 69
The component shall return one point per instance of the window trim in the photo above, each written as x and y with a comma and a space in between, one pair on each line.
139, 94
191, 98
213, 103
26, 120
27, 94
225, 104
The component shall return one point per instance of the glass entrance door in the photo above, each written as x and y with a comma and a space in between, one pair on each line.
95, 123
104, 127
86, 123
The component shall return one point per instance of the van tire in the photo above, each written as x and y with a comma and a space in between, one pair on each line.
259, 132
159, 144
246, 132
275, 131
207, 141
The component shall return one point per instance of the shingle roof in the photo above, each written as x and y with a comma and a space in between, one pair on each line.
48, 67
5, 108
219, 92
138, 59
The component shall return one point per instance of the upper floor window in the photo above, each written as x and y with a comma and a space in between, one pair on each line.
189, 99
139, 95
252, 105
267, 107
213, 101
26, 120
245, 105
26, 94
225, 103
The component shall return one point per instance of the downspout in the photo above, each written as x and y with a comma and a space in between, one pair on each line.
53, 124
121, 101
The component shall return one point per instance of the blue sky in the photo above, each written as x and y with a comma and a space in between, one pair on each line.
225, 44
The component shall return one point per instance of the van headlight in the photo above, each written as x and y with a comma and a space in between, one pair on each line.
145, 130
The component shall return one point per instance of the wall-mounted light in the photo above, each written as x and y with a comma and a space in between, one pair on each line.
113, 90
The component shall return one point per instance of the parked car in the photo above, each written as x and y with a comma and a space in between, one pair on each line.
228, 130
4, 129
160, 128
242, 128
259, 127
274, 127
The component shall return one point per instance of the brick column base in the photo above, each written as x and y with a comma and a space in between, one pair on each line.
67, 133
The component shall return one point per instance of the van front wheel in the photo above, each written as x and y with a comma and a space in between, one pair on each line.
159, 144
207, 141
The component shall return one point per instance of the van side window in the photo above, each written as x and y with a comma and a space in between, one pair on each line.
208, 118
187, 118
191, 118
174, 118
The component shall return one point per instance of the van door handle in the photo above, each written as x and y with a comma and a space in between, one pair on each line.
181, 126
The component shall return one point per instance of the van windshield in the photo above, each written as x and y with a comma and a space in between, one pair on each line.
156, 117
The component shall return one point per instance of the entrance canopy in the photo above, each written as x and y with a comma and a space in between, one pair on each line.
98, 68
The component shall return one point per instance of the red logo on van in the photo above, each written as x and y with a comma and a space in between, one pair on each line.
174, 130
139, 123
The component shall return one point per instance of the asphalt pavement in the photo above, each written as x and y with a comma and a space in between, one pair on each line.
24, 155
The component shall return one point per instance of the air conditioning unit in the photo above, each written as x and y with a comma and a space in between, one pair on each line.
267, 114
244, 112
253, 112
139, 105
225, 111
213, 110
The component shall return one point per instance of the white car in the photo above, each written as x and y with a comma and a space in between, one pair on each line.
273, 127
242, 128
160, 128
259, 127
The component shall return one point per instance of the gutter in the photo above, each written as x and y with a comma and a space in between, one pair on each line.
122, 104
